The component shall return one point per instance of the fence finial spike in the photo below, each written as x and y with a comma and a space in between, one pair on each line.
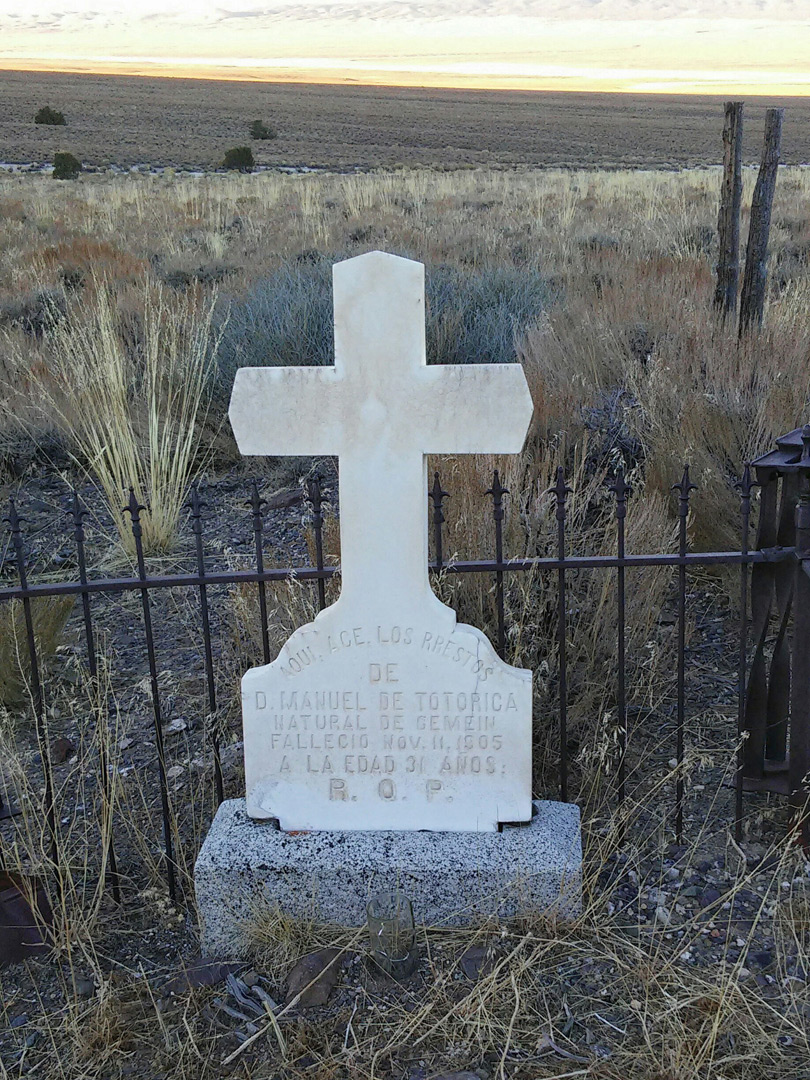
195, 504
497, 490
256, 502
437, 492
685, 485
12, 518
78, 512
438, 495
315, 495
619, 486
133, 507
747, 483
560, 489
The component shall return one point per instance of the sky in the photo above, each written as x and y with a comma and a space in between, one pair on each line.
654, 46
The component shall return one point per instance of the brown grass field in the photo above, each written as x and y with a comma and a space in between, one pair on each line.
129, 120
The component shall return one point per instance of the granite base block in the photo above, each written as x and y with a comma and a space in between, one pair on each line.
453, 878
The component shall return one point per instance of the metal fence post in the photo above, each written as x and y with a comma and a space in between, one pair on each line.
438, 496
622, 491
133, 508
497, 491
78, 513
799, 773
561, 492
684, 488
742, 660
40, 721
196, 507
316, 500
257, 504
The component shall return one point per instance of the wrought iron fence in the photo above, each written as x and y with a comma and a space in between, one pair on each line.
793, 558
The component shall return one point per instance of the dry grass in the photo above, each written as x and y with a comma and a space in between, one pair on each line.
627, 363
628, 353
48, 615
609, 996
128, 388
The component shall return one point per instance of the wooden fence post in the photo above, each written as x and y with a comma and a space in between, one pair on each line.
728, 221
752, 303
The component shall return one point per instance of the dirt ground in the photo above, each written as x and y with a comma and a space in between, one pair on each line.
128, 120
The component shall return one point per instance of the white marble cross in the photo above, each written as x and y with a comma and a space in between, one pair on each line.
381, 409
384, 713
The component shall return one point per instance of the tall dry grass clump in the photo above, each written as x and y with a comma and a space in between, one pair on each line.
48, 616
131, 392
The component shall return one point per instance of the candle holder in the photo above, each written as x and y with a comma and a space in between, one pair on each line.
391, 933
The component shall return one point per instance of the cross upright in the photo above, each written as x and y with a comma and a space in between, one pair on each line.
381, 409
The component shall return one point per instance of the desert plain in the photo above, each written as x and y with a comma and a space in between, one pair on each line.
190, 123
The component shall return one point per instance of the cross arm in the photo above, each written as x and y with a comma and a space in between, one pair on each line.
268, 404
476, 408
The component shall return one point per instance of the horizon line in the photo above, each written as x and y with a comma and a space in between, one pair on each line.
461, 76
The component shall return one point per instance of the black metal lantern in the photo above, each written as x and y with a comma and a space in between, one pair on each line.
776, 751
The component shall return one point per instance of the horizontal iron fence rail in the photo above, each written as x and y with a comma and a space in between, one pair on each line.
499, 567
476, 566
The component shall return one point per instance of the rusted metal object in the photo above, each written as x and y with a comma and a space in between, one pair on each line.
776, 722
25, 917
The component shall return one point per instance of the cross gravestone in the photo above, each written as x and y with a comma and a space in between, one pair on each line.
384, 714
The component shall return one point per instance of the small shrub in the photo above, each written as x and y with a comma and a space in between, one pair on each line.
260, 130
239, 157
33, 312
47, 115
473, 316
66, 167
285, 319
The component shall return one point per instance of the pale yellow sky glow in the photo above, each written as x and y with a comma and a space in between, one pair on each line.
653, 46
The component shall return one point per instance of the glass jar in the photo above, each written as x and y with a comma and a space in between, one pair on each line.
391, 933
